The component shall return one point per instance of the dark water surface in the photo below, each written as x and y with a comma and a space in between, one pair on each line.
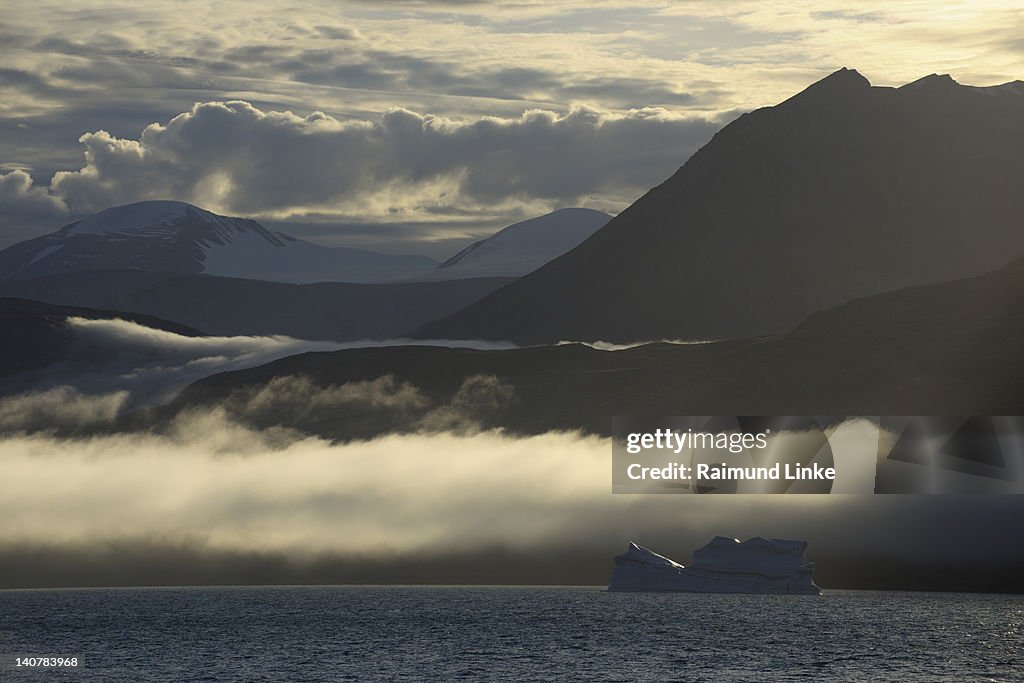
525, 633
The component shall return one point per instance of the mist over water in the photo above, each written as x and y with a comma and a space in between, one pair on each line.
209, 498
431, 506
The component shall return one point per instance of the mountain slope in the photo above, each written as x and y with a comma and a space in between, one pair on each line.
175, 237
945, 349
335, 311
522, 247
843, 190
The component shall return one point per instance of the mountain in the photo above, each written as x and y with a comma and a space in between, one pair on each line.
842, 191
335, 311
521, 248
175, 237
36, 334
944, 349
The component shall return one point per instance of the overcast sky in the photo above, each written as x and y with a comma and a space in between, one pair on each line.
415, 126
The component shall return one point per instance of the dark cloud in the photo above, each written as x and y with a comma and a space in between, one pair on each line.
28, 82
345, 60
635, 93
111, 46
235, 157
388, 71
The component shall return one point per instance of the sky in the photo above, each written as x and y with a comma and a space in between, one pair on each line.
418, 126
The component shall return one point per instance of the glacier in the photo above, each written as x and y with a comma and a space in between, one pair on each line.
725, 565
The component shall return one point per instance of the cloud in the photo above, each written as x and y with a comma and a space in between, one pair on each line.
478, 397
235, 157
386, 71
112, 356
300, 395
150, 365
29, 83
19, 196
116, 368
292, 397
438, 507
26, 210
64, 405
236, 489
363, 409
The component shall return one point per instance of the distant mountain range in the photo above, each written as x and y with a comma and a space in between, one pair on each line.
523, 247
232, 276
175, 237
842, 191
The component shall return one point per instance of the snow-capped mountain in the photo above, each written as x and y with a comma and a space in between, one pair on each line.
523, 247
166, 236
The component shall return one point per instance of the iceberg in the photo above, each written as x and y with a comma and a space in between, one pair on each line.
725, 565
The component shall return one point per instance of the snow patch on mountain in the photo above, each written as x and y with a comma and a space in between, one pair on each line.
135, 218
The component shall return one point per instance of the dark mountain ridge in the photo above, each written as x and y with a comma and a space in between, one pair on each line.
841, 191
944, 349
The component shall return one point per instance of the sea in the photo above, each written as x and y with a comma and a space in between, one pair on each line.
452, 633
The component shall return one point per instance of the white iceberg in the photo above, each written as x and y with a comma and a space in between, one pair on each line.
725, 565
